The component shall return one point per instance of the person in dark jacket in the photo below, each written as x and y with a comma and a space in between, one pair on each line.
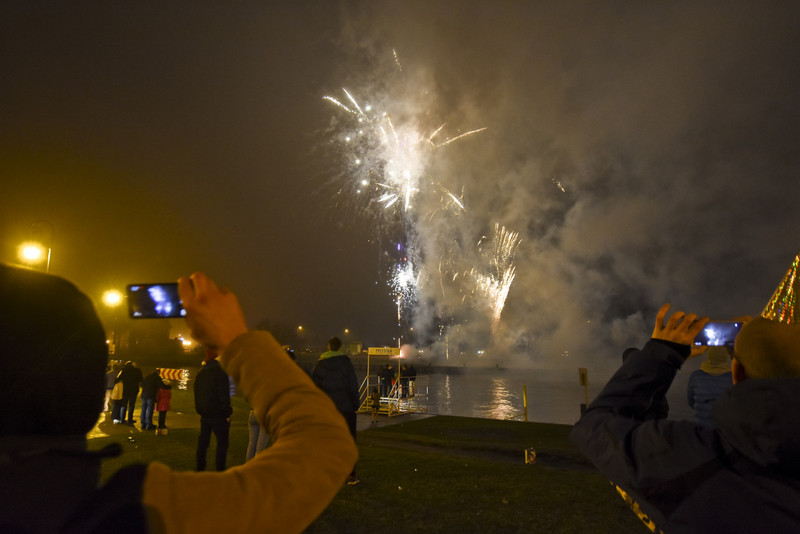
150, 386
334, 374
708, 383
385, 374
212, 399
661, 409
131, 377
743, 475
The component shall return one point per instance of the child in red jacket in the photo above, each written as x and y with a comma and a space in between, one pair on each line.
162, 405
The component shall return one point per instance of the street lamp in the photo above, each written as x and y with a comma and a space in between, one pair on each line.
33, 250
113, 298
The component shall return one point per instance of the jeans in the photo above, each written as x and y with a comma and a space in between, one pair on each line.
259, 437
129, 403
118, 410
219, 426
146, 417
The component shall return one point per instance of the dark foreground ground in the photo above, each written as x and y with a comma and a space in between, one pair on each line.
426, 474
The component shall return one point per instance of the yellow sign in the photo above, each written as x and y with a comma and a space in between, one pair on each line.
383, 351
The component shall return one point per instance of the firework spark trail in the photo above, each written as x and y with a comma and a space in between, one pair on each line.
496, 291
502, 271
456, 138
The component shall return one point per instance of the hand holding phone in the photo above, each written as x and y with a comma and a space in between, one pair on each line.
718, 333
154, 301
215, 317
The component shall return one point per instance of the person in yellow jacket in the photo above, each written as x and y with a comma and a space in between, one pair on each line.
48, 478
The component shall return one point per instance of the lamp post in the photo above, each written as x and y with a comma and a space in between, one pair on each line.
112, 299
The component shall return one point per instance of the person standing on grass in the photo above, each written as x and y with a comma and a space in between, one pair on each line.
111, 374
131, 378
150, 386
212, 399
334, 374
163, 398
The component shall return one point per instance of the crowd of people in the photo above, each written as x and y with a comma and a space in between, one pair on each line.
734, 468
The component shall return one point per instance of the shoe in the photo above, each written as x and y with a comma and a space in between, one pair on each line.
130, 423
352, 480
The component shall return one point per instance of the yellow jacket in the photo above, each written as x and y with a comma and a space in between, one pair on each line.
286, 486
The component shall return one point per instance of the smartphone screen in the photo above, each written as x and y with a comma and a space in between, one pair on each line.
154, 301
718, 333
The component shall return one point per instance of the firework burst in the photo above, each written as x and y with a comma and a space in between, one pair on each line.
391, 160
388, 154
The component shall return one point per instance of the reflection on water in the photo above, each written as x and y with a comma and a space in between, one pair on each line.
554, 396
503, 402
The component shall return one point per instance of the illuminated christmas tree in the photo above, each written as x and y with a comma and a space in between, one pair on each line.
782, 307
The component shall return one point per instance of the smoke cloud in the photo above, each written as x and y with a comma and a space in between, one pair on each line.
644, 153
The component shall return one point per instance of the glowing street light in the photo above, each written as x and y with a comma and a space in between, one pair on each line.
38, 245
112, 298
32, 252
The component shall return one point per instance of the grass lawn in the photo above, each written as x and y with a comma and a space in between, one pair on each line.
440, 474
455, 474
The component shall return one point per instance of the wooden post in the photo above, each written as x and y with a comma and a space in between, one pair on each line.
583, 376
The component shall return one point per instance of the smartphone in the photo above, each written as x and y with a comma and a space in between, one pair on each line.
718, 333
154, 301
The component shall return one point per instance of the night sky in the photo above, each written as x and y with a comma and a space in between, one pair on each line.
645, 152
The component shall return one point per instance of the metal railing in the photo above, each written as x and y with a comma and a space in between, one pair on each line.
405, 396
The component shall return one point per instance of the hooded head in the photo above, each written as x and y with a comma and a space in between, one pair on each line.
53, 355
334, 343
718, 361
769, 349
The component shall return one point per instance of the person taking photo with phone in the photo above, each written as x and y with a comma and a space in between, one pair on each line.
50, 480
742, 475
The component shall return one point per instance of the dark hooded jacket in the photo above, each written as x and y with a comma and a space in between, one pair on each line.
334, 374
741, 476
131, 377
212, 391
